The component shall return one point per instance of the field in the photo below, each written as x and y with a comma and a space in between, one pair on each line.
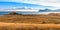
30, 22
25, 26
37, 19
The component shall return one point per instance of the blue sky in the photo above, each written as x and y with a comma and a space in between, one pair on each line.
52, 4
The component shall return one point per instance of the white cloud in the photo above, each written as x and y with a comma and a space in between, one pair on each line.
53, 3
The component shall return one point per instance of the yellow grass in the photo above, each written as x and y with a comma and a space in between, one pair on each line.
29, 22
25, 26
38, 19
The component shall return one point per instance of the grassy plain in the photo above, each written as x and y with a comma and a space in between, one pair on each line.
37, 19
30, 22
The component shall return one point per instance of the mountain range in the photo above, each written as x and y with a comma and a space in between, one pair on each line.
49, 10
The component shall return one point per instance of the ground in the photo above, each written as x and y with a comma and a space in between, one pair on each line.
30, 22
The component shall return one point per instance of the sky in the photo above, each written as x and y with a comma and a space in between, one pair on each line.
52, 4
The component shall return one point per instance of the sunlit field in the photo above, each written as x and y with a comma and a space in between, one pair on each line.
37, 19
30, 22
25, 26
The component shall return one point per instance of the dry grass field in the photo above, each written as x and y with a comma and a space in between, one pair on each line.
37, 19
26, 26
30, 22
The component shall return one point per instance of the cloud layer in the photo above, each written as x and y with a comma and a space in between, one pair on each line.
53, 3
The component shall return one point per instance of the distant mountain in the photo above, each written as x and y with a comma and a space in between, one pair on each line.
45, 10
49, 10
